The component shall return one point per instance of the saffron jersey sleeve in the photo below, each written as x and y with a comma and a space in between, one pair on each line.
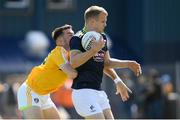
48, 77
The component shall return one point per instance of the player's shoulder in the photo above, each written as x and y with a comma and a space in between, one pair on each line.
60, 48
79, 34
76, 38
57, 50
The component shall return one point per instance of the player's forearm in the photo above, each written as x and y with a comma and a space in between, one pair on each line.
81, 58
113, 75
115, 63
110, 73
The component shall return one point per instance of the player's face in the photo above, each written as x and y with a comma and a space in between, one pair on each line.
101, 22
67, 34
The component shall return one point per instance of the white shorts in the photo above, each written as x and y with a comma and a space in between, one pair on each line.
27, 98
89, 101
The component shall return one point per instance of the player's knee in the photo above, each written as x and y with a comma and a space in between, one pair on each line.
108, 114
96, 116
32, 113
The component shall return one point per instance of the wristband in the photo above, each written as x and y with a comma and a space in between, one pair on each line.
117, 80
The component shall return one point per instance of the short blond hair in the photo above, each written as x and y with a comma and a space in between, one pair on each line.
93, 12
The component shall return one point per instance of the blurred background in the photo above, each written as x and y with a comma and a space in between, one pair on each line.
147, 31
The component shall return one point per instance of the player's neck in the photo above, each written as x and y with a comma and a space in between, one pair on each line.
66, 47
89, 27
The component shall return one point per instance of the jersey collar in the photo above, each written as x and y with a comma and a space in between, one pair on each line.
84, 30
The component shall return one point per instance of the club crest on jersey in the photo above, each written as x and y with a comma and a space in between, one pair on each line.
99, 57
36, 100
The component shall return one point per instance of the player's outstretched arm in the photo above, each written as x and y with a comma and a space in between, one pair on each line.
67, 68
121, 87
115, 63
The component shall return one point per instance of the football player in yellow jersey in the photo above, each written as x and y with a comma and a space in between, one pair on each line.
34, 94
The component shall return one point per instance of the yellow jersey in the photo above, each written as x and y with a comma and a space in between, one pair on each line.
48, 77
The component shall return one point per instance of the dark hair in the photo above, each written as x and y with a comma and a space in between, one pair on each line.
59, 31
93, 12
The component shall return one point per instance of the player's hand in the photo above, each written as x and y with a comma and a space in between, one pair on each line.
123, 90
97, 45
135, 67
